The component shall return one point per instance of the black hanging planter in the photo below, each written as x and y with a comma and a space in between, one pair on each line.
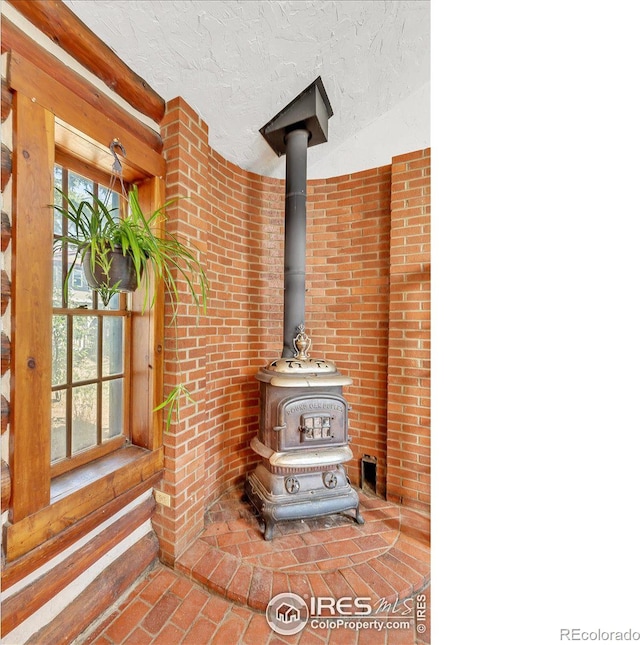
121, 275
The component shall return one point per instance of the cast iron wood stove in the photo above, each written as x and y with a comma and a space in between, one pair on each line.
303, 432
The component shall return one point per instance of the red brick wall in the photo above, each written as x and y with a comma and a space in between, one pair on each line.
236, 220
247, 274
409, 381
348, 298
187, 340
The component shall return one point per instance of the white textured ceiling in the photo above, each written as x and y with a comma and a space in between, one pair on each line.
239, 63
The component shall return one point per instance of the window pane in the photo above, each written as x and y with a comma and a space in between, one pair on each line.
85, 417
59, 348
80, 294
114, 303
109, 198
58, 425
58, 278
57, 200
85, 348
112, 409
112, 346
80, 188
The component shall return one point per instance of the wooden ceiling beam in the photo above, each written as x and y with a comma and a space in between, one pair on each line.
15, 40
54, 19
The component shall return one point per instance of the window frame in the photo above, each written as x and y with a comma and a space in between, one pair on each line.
52, 121
103, 446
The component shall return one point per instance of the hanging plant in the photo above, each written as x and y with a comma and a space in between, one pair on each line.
122, 254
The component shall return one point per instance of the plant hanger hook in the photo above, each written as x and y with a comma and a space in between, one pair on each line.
117, 164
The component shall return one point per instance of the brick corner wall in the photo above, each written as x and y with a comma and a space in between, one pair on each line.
409, 366
367, 309
187, 337
348, 300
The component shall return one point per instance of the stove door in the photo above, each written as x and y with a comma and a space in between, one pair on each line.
311, 421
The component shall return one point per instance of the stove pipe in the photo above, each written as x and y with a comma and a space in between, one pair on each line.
295, 230
303, 123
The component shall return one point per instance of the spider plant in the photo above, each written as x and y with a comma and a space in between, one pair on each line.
96, 233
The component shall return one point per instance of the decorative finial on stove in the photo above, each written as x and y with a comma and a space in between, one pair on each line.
302, 343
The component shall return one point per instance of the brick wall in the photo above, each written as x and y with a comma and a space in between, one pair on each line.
348, 298
236, 220
247, 274
409, 380
187, 153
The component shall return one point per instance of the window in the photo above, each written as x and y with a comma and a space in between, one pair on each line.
121, 454
89, 366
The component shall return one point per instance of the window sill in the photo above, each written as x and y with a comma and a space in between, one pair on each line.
77, 494
70, 482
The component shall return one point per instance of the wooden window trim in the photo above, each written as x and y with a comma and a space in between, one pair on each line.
86, 456
39, 512
80, 125
82, 167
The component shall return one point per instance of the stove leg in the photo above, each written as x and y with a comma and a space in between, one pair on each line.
268, 530
358, 518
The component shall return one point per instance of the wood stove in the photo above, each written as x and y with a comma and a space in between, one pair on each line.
303, 432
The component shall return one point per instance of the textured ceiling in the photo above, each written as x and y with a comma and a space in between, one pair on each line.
239, 63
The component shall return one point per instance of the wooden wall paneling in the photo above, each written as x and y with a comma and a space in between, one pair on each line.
18, 607
37, 557
6, 95
148, 331
136, 466
26, 78
30, 448
19, 43
60, 24
105, 590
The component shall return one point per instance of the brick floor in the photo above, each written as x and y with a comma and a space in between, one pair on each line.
221, 585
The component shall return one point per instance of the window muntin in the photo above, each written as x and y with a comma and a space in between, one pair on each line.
89, 342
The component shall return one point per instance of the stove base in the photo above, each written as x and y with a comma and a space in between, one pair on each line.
300, 496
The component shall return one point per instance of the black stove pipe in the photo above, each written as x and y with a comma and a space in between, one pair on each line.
295, 231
